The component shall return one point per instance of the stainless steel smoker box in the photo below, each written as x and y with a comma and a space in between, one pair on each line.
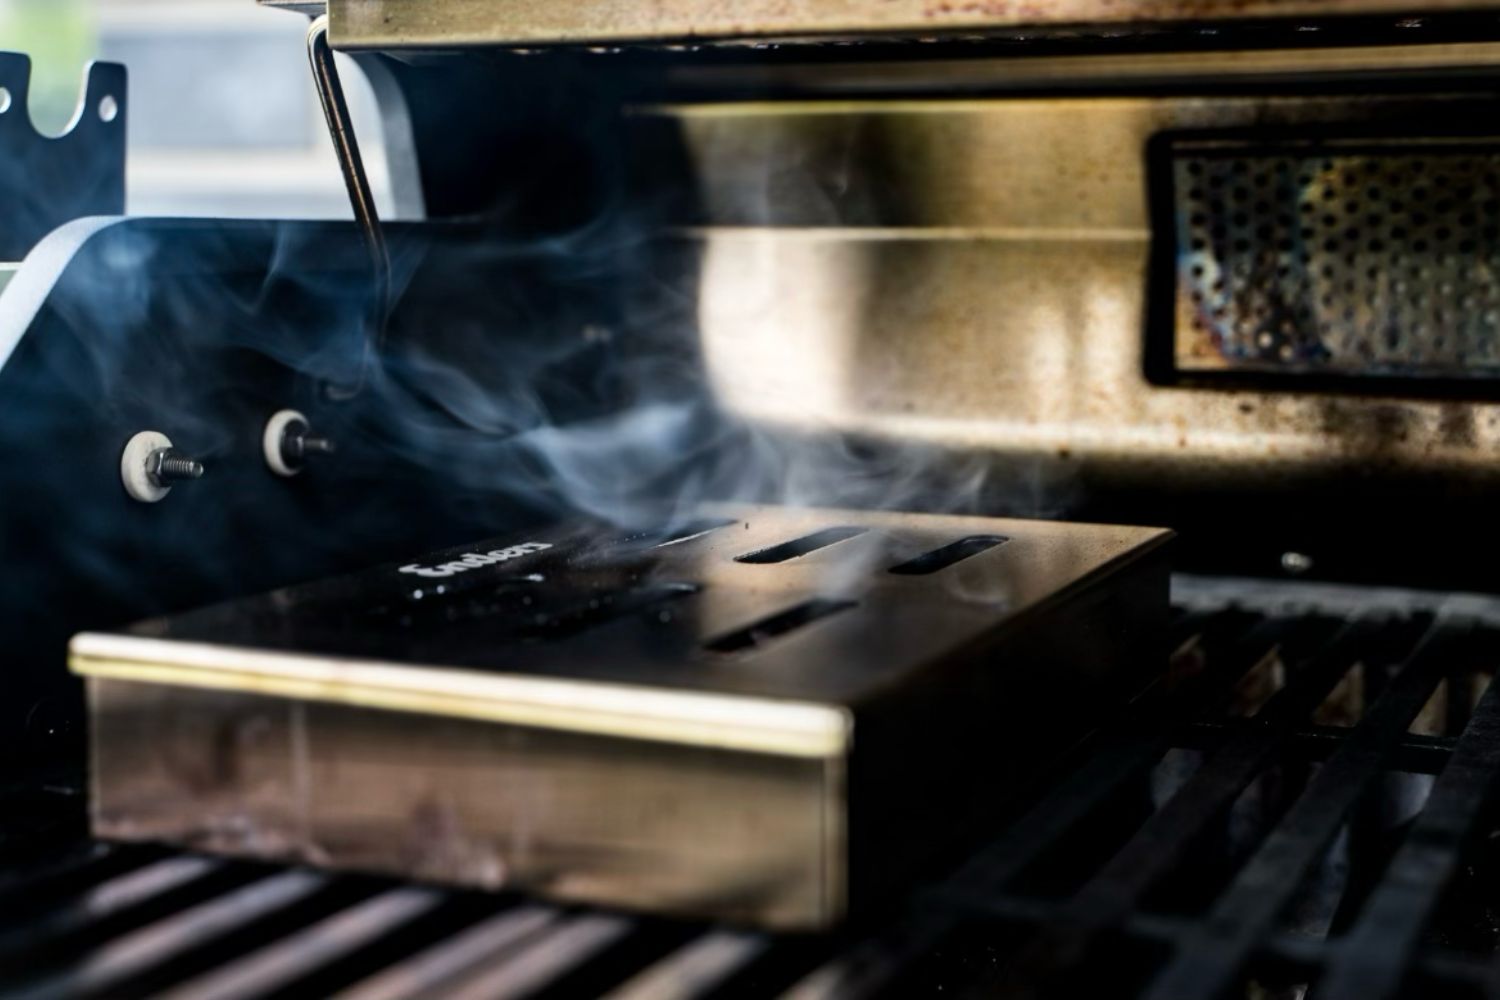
759, 714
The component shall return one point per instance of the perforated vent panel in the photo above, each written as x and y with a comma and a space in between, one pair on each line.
1359, 258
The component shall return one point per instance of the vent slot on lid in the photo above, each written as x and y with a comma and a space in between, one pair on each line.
946, 555
801, 546
778, 624
638, 543
695, 529
601, 609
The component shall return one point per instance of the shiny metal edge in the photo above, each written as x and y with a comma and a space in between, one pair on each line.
312, 8
26, 289
794, 729
444, 23
1075, 71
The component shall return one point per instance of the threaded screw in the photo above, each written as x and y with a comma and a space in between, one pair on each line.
298, 443
288, 441
168, 465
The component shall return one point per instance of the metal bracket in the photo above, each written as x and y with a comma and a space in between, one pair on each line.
361, 198
50, 180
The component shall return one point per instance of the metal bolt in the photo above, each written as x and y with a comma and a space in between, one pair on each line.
299, 442
150, 465
166, 466
288, 440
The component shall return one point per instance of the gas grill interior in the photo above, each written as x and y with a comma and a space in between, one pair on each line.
1303, 797
737, 436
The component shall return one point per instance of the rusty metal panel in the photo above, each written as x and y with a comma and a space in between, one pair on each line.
974, 274
391, 24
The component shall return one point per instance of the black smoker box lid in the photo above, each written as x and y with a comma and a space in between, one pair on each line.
774, 608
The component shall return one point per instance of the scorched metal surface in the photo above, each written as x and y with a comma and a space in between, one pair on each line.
754, 715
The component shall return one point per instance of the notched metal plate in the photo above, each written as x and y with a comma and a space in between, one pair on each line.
46, 181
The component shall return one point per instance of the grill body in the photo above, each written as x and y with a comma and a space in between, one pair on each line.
928, 257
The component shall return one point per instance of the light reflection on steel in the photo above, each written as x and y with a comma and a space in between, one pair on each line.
361, 197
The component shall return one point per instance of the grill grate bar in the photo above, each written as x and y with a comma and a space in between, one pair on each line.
106, 900
694, 970
1132, 752
1415, 753
1126, 754
1209, 959
159, 942
869, 967
1155, 848
1438, 966
430, 971
74, 869
274, 966
1369, 961
1156, 929
544, 959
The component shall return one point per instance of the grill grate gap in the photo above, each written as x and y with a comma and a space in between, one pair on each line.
778, 624
439, 951
394, 925
116, 905
189, 971
107, 954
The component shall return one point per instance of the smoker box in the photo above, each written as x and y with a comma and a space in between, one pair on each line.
763, 715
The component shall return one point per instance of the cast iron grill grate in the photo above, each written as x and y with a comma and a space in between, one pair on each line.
1305, 800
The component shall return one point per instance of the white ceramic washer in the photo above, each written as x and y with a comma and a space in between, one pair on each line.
138, 481
275, 433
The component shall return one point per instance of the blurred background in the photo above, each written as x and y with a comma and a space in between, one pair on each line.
222, 118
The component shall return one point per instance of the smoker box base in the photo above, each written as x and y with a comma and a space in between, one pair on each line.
721, 722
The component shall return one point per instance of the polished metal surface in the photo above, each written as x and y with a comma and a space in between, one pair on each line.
615, 821
330, 91
974, 273
725, 722
446, 23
